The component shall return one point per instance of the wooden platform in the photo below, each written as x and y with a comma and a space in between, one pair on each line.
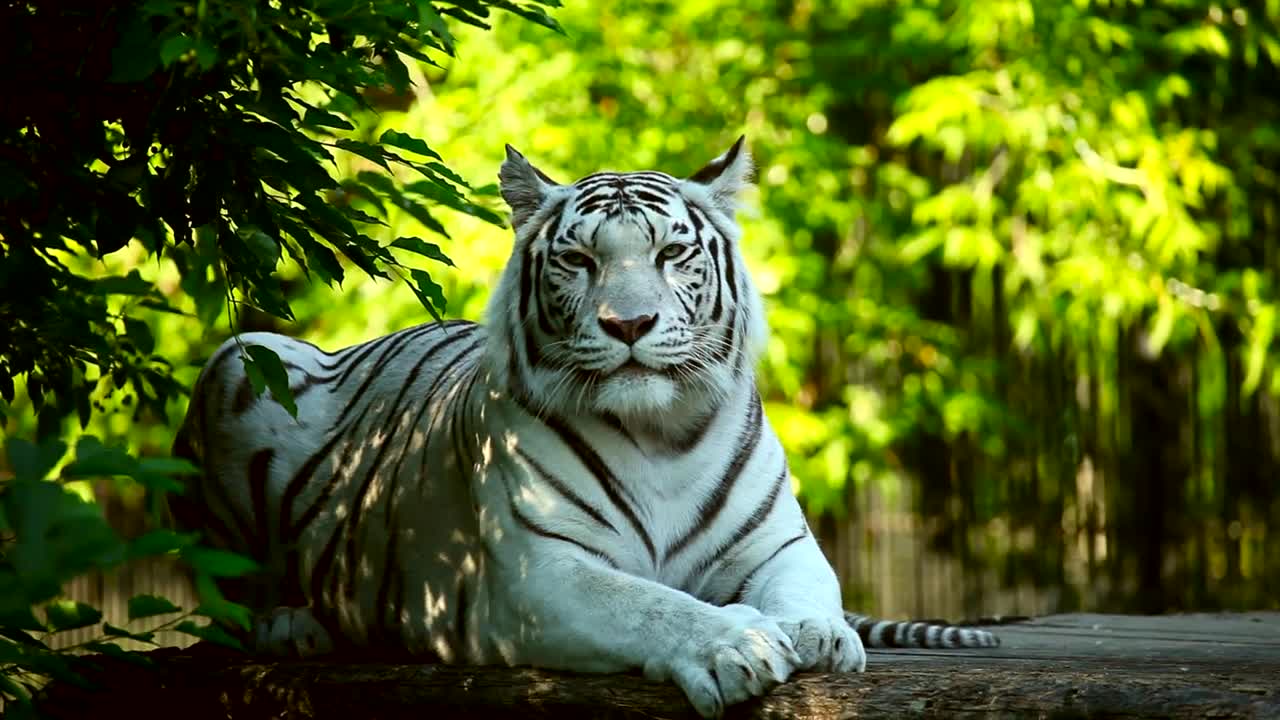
1063, 666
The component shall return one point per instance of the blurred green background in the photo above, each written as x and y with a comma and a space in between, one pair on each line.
1020, 260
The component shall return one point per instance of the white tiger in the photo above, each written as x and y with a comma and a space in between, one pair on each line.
588, 483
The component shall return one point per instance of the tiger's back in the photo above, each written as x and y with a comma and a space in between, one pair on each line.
317, 500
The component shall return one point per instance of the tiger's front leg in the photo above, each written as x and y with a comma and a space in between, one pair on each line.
797, 587
291, 632
576, 613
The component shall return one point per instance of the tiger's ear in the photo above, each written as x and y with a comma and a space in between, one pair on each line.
726, 177
524, 187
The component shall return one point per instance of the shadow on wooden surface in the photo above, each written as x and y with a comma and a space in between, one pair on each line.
1064, 666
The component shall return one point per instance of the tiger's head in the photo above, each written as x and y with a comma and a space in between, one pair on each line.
626, 294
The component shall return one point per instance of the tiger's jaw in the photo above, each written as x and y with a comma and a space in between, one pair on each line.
661, 399
635, 392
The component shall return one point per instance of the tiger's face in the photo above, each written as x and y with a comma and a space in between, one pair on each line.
625, 294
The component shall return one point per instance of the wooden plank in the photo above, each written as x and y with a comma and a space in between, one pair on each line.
1250, 627
1066, 666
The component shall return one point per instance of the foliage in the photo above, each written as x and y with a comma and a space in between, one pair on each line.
51, 534
230, 144
205, 131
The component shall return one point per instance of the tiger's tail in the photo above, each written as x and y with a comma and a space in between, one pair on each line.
896, 634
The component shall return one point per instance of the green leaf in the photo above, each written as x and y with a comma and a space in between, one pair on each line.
372, 153
377, 181
6, 385
271, 375
206, 54
439, 170
161, 305
407, 142
315, 117
135, 55
69, 615
118, 216
1162, 325
218, 563
397, 73
167, 466
429, 19
112, 631
34, 462
423, 248
20, 694
140, 335
263, 245
160, 542
537, 15
361, 216
93, 459
257, 380
323, 261
1259, 340
115, 651
429, 293
215, 606
422, 215
131, 284
22, 619
173, 48
292, 146
211, 633
143, 606
22, 637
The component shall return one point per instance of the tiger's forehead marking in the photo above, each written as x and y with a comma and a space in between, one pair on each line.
618, 193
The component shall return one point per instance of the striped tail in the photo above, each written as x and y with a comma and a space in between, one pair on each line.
893, 634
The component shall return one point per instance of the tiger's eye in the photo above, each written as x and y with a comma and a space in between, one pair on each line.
672, 251
574, 258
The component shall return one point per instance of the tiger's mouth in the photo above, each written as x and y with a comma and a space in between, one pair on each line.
633, 367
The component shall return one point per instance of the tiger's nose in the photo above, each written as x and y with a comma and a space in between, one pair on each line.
629, 330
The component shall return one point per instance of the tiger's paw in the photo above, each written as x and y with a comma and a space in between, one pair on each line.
743, 656
290, 632
826, 644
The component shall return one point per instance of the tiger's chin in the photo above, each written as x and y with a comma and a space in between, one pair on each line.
630, 395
